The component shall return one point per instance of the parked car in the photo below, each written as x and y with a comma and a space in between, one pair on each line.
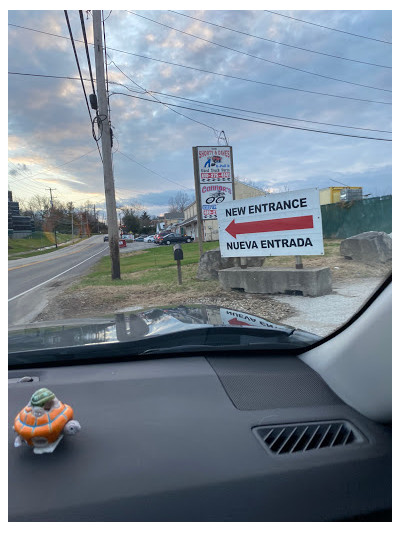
139, 239
105, 238
159, 236
149, 238
172, 238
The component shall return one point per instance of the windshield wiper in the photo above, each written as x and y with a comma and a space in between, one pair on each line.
208, 339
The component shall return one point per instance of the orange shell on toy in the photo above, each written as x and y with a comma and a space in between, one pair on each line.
49, 425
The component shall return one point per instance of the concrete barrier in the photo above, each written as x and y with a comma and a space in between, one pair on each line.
211, 262
259, 280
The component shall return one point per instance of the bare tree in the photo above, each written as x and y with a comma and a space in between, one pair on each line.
179, 202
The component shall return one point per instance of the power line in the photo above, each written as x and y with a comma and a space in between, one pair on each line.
35, 187
211, 104
106, 65
261, 121
152, 171
166, 105
62, 165
87, 49
328, 28
80, 73
22, 173
280, 42
217, 73
261, 58
269, 114
253, 112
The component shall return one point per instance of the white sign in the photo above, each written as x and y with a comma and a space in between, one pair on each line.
215, 175
213, 194
230, 317
276, 224
214, 164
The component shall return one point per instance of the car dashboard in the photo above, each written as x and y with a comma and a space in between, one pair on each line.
191, 439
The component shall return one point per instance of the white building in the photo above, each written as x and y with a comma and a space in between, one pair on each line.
189, 224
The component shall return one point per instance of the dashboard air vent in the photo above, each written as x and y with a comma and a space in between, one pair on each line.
294, 438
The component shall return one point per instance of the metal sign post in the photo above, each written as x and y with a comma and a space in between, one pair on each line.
198, 199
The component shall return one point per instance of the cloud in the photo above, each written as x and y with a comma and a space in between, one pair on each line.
49, 122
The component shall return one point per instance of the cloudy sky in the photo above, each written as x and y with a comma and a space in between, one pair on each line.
293, 81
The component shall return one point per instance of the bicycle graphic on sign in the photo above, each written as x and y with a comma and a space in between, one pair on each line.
217, 197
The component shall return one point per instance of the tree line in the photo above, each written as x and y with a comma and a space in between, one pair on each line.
63, 217
66, 217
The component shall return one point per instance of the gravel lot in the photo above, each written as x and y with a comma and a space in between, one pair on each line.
324, 314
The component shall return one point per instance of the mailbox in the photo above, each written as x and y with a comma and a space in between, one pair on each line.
178, 252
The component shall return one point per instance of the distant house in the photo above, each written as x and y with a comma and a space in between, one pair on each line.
210, 227
169, 221
160, 226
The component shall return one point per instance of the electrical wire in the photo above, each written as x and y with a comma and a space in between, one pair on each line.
87, 49
97, 120
212, 104
16, 183
328, 28
163, 103
262, 58
152, 171
261, 121
80, 74
62, 165
31, 186
106, 65
279, 42
269, 114
217, 73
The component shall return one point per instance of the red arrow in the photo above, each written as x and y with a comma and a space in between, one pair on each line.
276, 224
236, 322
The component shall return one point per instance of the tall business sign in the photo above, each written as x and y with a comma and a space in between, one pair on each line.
213, 170
277, 224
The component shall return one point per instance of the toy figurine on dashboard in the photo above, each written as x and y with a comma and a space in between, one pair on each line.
43, 422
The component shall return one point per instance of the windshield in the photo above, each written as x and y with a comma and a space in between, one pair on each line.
195, 171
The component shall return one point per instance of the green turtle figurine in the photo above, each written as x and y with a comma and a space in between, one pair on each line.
43, 422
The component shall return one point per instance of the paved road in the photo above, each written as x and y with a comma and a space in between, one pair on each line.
33, 281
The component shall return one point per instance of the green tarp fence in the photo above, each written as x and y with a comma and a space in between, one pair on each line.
345, 219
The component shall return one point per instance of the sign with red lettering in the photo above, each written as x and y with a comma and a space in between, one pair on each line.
214, 164
213, 194
276, 224
229, 317
216, 178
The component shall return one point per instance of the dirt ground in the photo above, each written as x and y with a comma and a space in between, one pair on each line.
94, 301
98, 301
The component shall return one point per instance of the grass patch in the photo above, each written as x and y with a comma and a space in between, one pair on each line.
29, 246
154, 264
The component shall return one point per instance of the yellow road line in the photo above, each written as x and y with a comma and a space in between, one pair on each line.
51, 259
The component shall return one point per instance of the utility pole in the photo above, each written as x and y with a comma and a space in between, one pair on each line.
109, 188
51, 204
